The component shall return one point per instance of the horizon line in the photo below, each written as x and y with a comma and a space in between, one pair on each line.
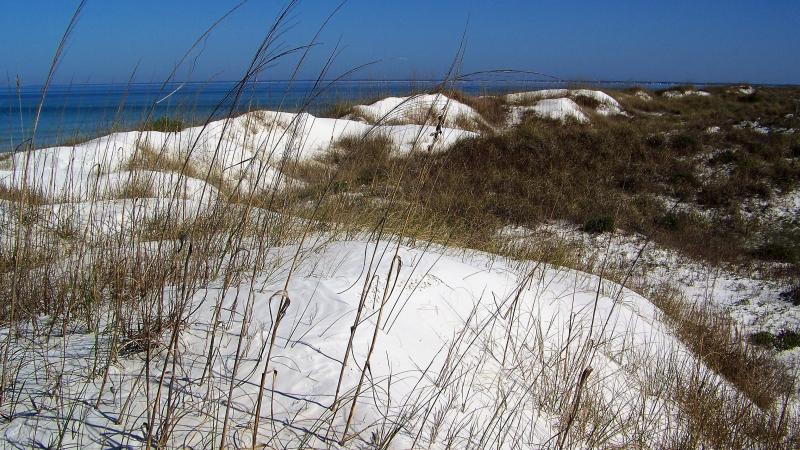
416, 80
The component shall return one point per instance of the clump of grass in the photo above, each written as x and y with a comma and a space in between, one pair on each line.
587, 101
599, 224
537, 172
794, 150
673, 221
491, 109
714, 337
25, 204
148, 158
338, 110
28, 195
655, 140
685, 142
165, 124
134, 188
721, 419
465, 122
781, 243
361, 160
65, 228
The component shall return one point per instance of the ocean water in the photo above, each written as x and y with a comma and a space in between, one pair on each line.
82, 111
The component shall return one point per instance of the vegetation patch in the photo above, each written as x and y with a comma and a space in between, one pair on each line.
134, 188
792, 295
599, 224
27, 195
714, 338
784, 340
361, 160
338, 110
151, 159
492, 109
782, 244
165, 124
587, 101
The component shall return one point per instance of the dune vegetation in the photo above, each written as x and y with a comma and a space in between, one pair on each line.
565, 268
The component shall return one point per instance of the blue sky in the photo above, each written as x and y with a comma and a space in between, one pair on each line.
692, 41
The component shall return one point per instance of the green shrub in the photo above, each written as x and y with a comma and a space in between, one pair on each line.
763, 339
785, 340
165, 124
792, 296
599, 224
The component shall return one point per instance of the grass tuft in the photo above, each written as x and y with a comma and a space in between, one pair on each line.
599, 224
165, 125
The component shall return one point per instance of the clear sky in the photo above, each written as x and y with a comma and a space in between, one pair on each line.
678, 40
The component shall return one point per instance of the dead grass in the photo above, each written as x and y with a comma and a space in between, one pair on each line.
340, 109
715, 419
134, 188
714, 337
27, 195
150, 158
